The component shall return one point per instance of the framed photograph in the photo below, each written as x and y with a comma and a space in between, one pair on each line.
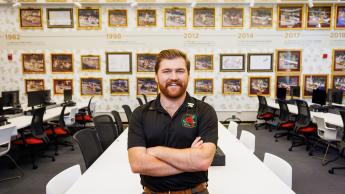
204, 17
231, 86
319, 17
232, 62
175, 17
290, 17
339, 17
34, 85
261, 17
30, 18
146, 62
90, 63
60, 17
203, 86
146, 18
259, 86
89, 18
60, 85
117, 18
62, 63
289, 60
232, 17
91, 86
338, 61
312, 82
33, 63
260, 62
203, 62
119, 62
119, 86
147, 86
286, 81
338, 82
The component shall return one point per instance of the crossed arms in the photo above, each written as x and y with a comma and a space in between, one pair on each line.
166, 161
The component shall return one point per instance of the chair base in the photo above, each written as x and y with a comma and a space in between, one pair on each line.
16, 165
282, 134
331, 171
265, 124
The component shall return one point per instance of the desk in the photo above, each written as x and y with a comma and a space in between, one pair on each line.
25, 121
244, 173
330, 118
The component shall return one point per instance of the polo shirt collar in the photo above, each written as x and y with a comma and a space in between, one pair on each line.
156, 105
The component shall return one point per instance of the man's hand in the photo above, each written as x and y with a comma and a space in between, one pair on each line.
197, 143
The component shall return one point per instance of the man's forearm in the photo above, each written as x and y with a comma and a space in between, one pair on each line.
146, 164
188, 159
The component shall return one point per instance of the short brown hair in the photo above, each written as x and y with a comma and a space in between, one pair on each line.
171, 54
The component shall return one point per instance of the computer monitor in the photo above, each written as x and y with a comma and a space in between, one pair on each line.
281, 93
295, 91
10, 98
335, 96
319, 96
67, 95
46, 95
1, 107
35, 98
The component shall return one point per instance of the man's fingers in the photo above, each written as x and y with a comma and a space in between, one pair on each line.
197, 142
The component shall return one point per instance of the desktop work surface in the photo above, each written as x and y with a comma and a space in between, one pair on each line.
244, 173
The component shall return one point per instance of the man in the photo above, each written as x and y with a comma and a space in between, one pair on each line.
172, 139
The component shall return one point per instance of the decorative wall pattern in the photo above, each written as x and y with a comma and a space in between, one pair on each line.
315, 44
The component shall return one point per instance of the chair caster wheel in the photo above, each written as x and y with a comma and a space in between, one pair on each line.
331, 171
276, 140
53, 159
34, 166
290, 149
56, 154
72, 149
310, 154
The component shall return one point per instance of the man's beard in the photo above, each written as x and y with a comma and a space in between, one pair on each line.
173, 91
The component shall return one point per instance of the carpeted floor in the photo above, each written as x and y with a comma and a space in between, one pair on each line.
309, 176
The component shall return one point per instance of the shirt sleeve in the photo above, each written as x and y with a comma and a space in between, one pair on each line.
136, 135
208, 124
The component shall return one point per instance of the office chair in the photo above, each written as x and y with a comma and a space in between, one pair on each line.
35, 136
5, 146
248, 139
203, 98
331, 171
279, 167
328, 135
58, 131
85, 115
285, 121
263, 113
140, 101
61, 182
106, 130
89, 145
118, 121
304, 129
145, 98
128, 112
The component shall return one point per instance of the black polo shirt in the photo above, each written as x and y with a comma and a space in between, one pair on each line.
151, 125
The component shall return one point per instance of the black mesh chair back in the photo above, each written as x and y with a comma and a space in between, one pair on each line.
303, 118
203, 98
89, 145
262, 104
88, 107
145, 99
37, 129
106, 130
118, 121
128, 112
140, 101
342, 114
62, 115
283, 111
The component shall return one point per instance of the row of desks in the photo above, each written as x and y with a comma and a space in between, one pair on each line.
244, 173
330, 118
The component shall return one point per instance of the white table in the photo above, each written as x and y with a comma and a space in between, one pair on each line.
25, 121
330, 118
244, 173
